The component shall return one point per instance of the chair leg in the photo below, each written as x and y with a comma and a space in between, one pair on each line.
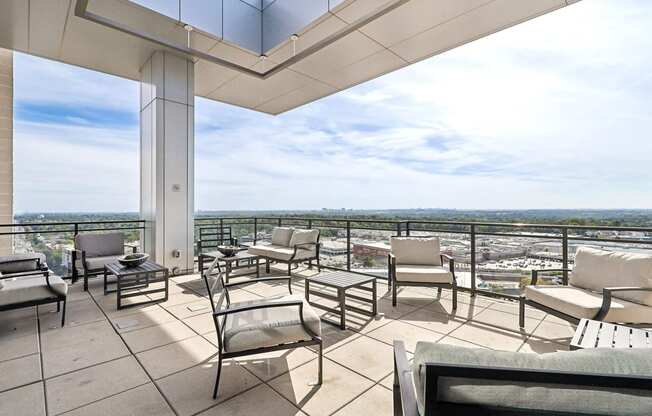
394, 293
318, 265
85, 281
521, 312
454, 296
439, 292
289, 269
320, 376
217, 378
63, 313
267, 270
309, 264
58, 306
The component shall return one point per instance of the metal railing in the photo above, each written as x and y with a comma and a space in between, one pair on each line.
475, 232
68, 230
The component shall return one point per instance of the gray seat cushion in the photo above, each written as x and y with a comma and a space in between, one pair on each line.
423, 274
269, 327
30, 288
581, 303
26, 263
97, 263
549, 397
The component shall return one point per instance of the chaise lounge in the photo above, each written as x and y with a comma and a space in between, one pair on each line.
604, 286
290, 246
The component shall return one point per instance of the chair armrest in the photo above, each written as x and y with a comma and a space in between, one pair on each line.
607, 295
288, 280
405, 396
304, 246
271, 304
451, 263
535, 274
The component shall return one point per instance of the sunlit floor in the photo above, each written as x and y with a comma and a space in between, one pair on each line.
160, 359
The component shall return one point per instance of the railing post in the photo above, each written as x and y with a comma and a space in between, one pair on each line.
473, 260
407, 228
255, 229
564, 253
348, 245
398, 228
310, 224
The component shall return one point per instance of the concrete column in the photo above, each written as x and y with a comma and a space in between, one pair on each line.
167, 148
6, 146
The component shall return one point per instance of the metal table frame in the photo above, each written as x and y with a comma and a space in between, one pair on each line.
342, 281
130, 279
252, 260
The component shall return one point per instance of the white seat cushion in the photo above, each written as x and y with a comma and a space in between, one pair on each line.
524, 395
416, 250
269, 327
272, 251
98, 263
32, 288
281, 236
423, 274
581, 303
597, 269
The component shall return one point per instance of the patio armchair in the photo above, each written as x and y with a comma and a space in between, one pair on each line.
25, 281
262, 325
451, 380
417, 261
95, 250
604, 285
290, 246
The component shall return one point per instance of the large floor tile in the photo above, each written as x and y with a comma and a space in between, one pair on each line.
162, 361
82, 387
140, 319
191, 391
273, 364
366, 356
376, 401
434, 321
465, 310
69, 349
27, 400
201, 324
181, 298
20, 371
561, 333
489, 336
506, 321
542, 346
339, 387
186, 310
15, 347
18, 323
156, 336
402, 331
249, 403
78, 312
141, 401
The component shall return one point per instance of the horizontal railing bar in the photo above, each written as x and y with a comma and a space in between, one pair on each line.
610, 240
44, 224
67, 231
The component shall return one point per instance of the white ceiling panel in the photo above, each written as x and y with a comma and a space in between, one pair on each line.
14, 25
47, 21
478, 23
352, 11
370, 67
309, 92
209, 77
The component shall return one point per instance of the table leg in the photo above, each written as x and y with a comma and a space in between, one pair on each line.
119, 292
307, 285
257, 267
105, 286
374, 304
341, 294
167, 279
228, 271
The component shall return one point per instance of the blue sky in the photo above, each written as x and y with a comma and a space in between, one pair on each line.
553, 113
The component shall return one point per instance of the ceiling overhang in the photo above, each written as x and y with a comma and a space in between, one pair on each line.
351, 42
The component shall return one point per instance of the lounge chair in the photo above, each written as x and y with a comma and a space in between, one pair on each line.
25, 281
416, 261
259, 326
95, 250
290, 246
604, 286
457, 381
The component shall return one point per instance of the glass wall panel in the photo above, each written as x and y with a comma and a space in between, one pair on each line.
205, 15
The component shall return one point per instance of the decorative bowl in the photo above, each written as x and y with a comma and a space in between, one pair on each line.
133, 260
228, 251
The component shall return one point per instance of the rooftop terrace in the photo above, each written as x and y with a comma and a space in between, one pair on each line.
160, 359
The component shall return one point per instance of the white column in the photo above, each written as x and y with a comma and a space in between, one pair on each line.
167, 148
6, 146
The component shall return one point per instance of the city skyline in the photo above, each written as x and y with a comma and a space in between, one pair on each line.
507, 122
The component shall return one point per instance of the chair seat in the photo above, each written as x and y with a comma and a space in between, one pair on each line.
30, 288
581, 303
269, 327
272, 251
423, 274
95, 264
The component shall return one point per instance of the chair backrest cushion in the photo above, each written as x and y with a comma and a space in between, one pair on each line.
597, 269
19, 263
100, 245
303, 237
538, 396
281, 236
416, 250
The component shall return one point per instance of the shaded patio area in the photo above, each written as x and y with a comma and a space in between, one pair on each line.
160, 359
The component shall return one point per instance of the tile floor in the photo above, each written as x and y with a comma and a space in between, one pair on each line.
160, 359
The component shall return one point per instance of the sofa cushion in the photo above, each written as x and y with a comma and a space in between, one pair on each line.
98, 263
550, 397
100, 244
303, 237
272, 251
416, 250
30, 288
24, 262
281, 236
597, 269
270, 326
582, 303
423, 274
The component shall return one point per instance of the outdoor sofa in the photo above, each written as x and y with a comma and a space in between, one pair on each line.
452, 380
418, 261
604, 286
290, 246
25, 281
95, 250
